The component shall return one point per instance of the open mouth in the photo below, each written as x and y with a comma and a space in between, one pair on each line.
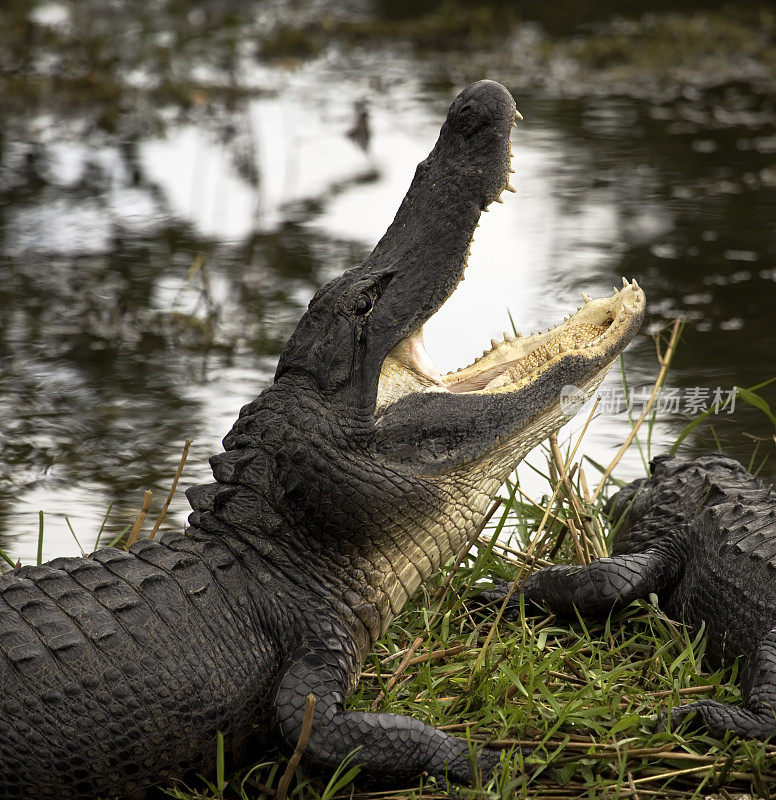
596, 332
597, 328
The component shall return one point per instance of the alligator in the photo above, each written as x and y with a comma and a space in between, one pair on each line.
350, 480
701, 536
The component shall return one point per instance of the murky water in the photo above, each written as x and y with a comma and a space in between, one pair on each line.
150, 279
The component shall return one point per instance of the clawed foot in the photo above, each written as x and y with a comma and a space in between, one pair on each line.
495, 597
673, 718
459, 773
722, 718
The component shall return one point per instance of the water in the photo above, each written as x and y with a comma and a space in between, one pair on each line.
154, 264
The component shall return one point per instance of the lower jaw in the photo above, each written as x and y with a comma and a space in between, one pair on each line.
511, 363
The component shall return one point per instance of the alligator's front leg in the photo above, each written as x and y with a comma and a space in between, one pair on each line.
389, 746
596, 589
756, 718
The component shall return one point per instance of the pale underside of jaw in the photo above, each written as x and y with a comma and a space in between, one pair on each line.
512, 363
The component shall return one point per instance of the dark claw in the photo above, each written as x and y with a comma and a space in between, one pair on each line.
495, 597
676, 716
459, 773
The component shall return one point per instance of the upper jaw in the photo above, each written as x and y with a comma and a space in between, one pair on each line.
597, 331
427, 245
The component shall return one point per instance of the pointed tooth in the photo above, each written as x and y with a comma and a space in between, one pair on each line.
518, 115
511, 169
499, 200
486, 209
634, 284
507, 337
616, 290
494, 344
625, 284
586, 297
510, 188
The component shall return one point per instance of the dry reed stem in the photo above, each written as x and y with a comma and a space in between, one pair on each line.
580, 548
178, 472
665, 361
632, 785
432, 656
516, 555
541, 508
140, 518
662, 776
296, 756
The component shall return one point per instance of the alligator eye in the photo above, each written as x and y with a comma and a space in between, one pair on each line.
363, 304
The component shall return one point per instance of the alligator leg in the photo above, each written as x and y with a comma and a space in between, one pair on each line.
597, 588
389, 746
756, 719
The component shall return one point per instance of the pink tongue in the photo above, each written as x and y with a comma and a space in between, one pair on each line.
416, 350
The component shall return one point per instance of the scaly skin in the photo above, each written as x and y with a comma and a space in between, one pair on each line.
702, 536
344, 485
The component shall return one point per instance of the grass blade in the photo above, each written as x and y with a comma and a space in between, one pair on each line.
40, 538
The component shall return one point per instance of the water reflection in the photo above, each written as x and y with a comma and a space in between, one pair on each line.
160, 238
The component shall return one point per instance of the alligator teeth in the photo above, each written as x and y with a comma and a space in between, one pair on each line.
625, 284
510, 188
494, 344
507, 337
616, 290
634, 284
499, 200
586, 297
518, 115
511, 170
